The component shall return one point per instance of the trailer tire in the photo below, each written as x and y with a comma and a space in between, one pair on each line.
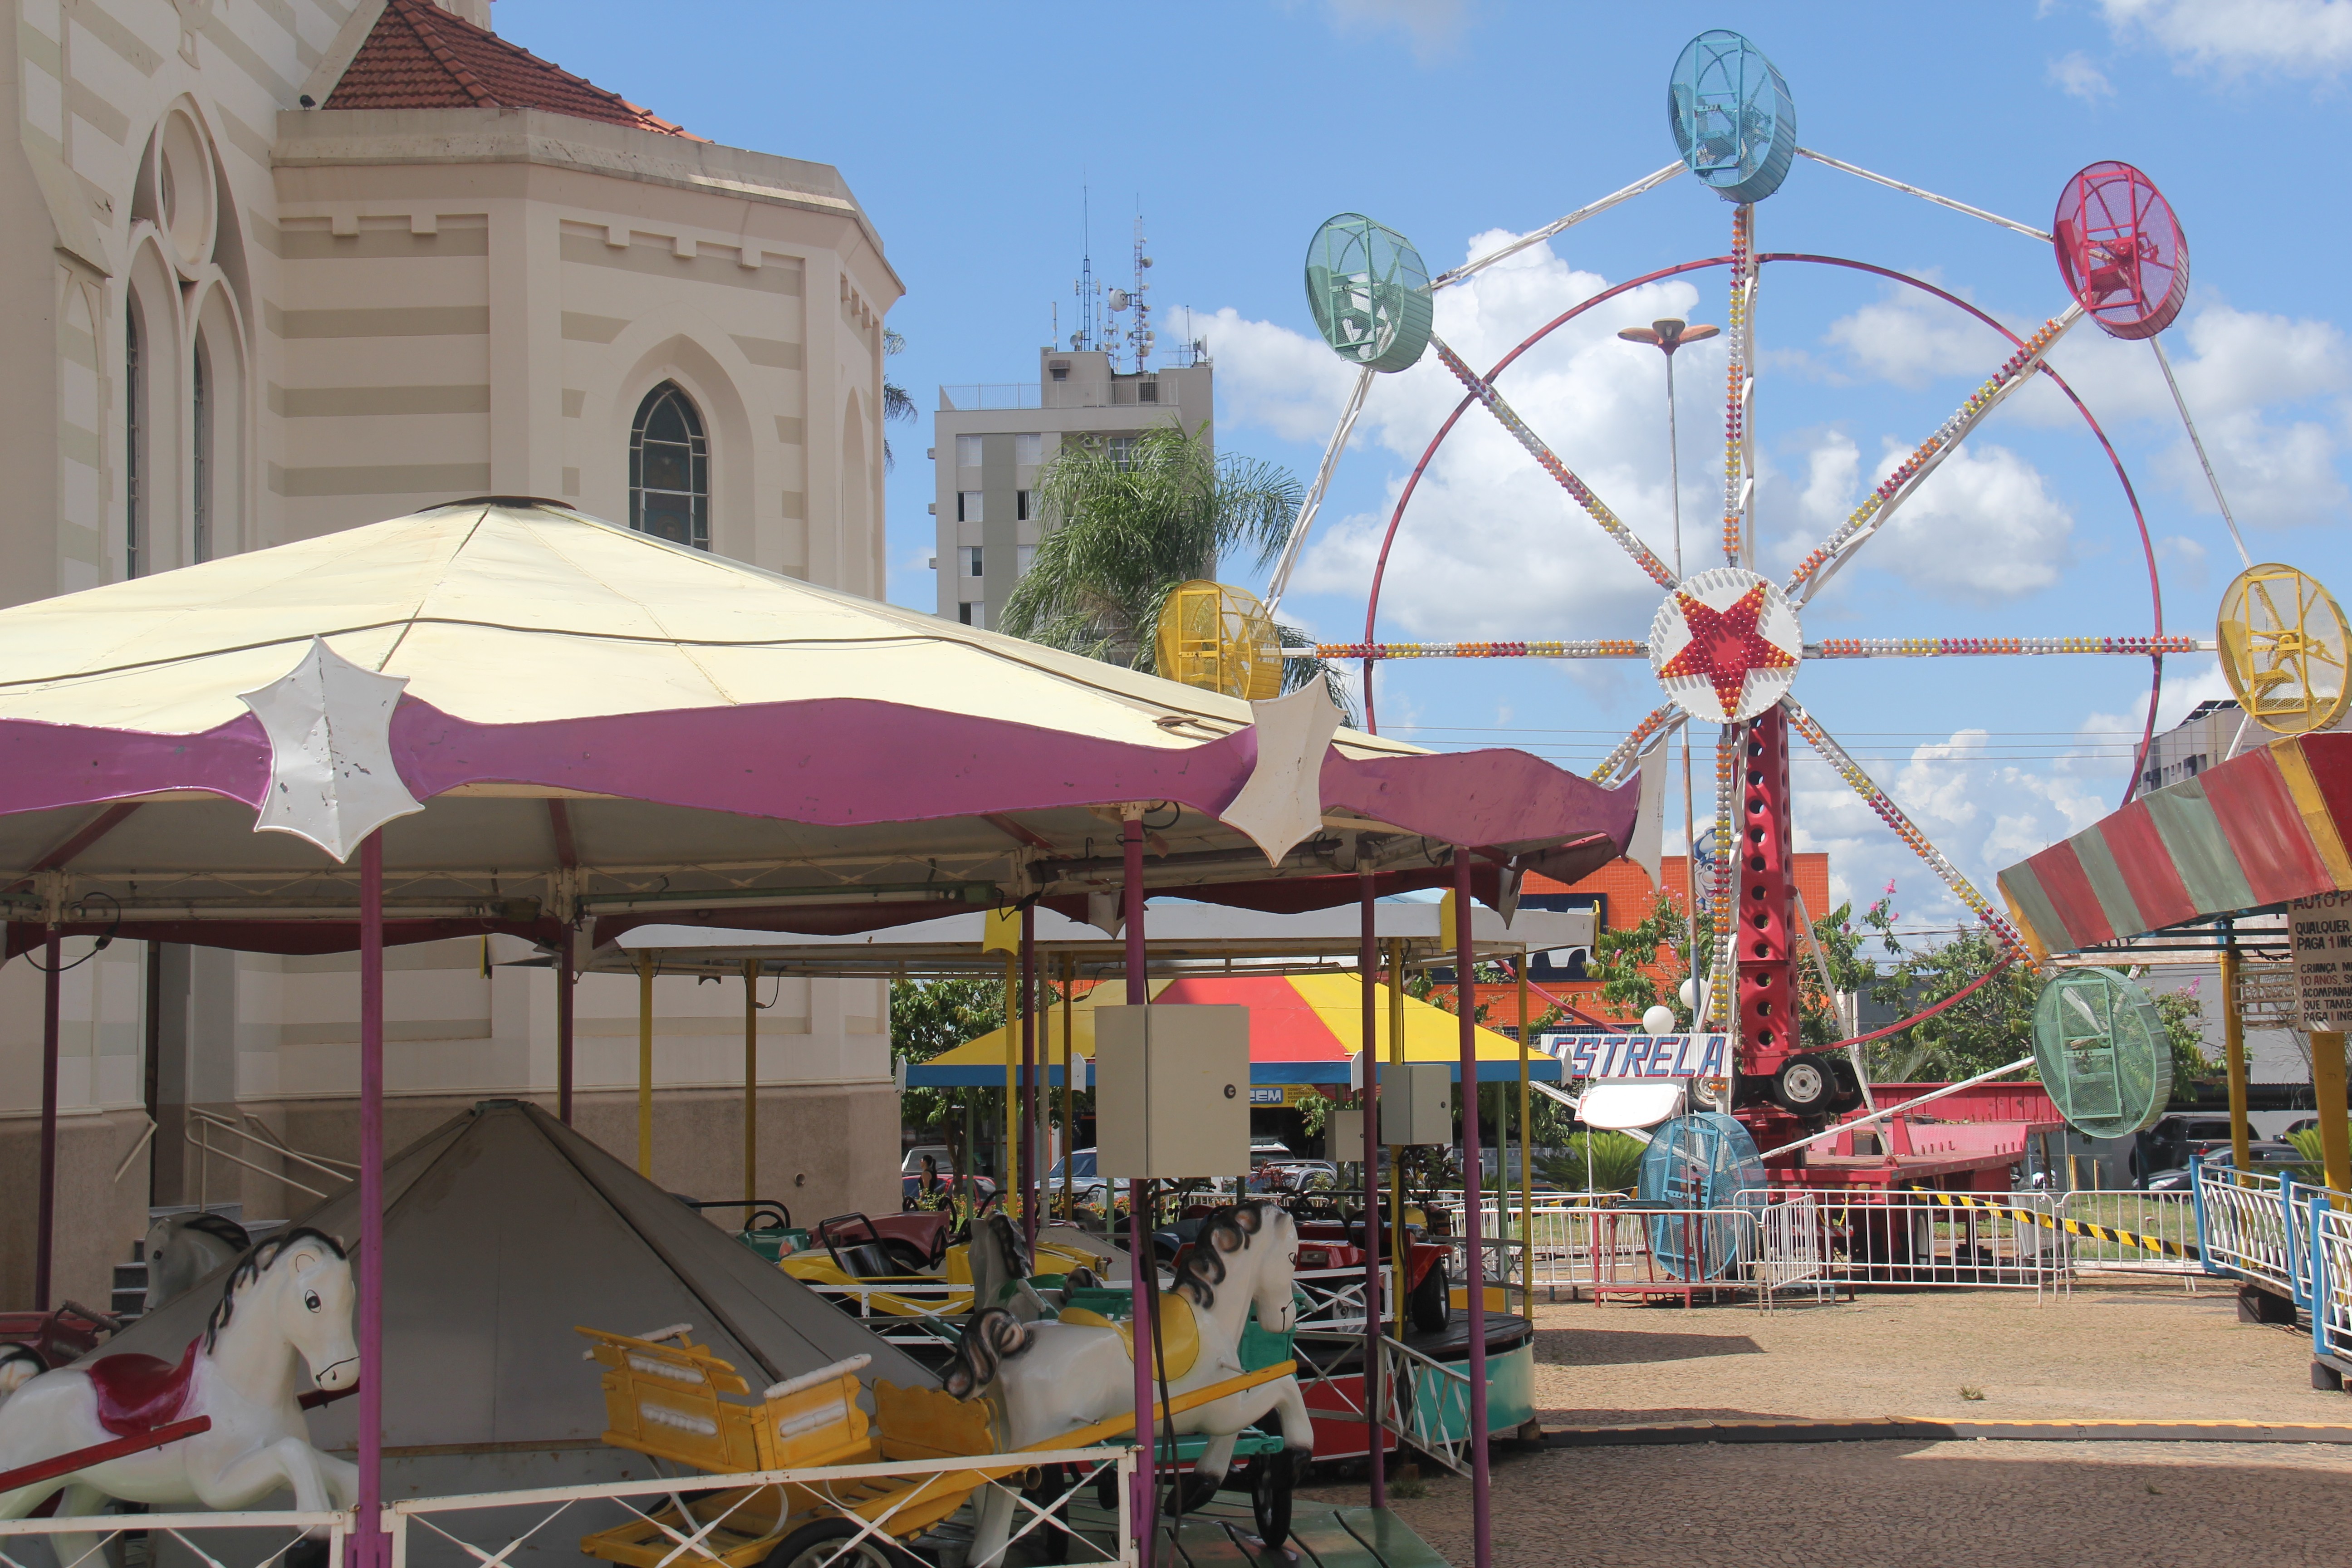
817, 1545
1273, 1479
1430, 1302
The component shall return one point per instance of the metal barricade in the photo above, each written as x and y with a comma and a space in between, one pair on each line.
2131, 1232
2331, 1278
258, 1539
2245, 1224
1917, 1238
512, 1528
1795, 1254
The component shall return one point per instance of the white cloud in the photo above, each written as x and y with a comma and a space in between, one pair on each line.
2234, 38
1433, 25
1910, 341
1491, 544
2076, 77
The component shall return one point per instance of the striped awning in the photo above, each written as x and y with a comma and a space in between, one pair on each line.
2266, 827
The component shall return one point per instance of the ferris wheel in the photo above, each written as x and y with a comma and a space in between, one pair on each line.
1726, 644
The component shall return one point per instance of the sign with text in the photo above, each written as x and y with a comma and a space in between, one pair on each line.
2321, 929
1639, 1056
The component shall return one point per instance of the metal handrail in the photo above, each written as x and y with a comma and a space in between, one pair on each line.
200, 1118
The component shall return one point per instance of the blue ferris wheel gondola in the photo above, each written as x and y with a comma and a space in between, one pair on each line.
1732, 116
1702, 1161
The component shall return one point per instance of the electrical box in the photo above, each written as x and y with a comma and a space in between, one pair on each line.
1416, 1103
1416, 1107
1171, 1091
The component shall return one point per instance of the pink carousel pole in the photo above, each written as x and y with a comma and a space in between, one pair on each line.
1031, 1188
1473, 1224
370, 1548
1368, 1103
1143, 1270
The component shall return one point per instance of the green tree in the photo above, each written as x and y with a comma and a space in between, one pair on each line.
2184, 1025
1851, 969
1993, 1025
1125, 526
929, 1017
1624, 957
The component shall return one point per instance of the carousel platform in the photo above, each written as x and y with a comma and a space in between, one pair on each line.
1220, 1534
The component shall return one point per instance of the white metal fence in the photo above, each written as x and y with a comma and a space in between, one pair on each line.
2294, 1239
259, 1539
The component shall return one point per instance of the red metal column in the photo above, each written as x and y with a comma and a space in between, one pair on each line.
370, 1548
1368, 1102
1765, 943
1482, 1523
45, 1219
1142, 1267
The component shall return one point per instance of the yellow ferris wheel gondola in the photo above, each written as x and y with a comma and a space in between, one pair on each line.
1219, 639
2283, 643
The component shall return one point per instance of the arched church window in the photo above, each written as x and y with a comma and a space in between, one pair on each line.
669, 470
134, 403
200, 425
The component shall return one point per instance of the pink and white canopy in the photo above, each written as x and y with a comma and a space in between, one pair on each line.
554, 719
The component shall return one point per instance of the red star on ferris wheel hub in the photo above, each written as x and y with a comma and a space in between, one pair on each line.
1726, 645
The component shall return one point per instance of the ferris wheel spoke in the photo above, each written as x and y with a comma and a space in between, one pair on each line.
1962, 647
1557, 227
1662, 722
1484, 390
1900, 486
1905, 829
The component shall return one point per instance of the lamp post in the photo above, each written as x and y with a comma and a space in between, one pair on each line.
1667, 335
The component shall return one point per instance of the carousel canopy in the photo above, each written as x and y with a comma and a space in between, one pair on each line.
1303, 1029
554, 719
503, 1229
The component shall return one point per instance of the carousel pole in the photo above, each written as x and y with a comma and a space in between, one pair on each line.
1031, 1188
566, 978
750, 1086
1398, 1258
645, 1063
45, 1244
1526, 1157
1069, 1093
1368, 1102
370, 1547
1474, 1268
1143, 1270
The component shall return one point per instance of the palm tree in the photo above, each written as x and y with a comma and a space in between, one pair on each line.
896, 403
1125, 526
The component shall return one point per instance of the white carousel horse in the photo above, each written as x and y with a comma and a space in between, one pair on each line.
182, 1248
19, 1365
287, 1305
1001, 1266
1051, 1377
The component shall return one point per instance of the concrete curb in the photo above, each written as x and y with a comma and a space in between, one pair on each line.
1667, 1434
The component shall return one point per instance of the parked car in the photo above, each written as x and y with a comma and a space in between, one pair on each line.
911, 1188
2262, 1154
912, 1166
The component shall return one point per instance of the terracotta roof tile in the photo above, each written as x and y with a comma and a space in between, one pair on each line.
421, 57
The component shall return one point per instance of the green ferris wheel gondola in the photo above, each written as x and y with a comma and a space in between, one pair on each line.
1732, 115
1370, 293
2103, 1051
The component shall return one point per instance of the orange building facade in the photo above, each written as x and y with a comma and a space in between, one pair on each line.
1620, 895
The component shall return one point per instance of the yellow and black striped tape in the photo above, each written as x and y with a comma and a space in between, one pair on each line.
2156, 1244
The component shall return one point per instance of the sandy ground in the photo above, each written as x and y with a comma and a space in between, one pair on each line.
2120, 1352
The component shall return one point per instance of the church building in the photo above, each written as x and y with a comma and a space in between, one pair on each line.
280, 267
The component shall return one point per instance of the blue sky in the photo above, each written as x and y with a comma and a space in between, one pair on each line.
968, 131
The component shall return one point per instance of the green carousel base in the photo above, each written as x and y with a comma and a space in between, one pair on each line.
1221, 1534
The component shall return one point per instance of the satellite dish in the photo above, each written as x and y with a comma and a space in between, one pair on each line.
2103, 1052
1732, 116
1705, 1160
2121, 250
1117, 300
1369, 292
2285, 643
1219, 639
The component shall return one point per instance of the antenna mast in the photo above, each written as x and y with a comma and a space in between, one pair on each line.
1138, 330
1088, 291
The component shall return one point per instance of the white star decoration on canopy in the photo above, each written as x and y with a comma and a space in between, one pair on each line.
332, 776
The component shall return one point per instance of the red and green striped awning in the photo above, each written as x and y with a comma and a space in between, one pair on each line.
2263, 827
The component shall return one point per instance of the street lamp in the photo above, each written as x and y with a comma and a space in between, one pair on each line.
1667, 335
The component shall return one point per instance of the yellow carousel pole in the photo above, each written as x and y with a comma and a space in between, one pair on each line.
645, 1063
1010, 1182
1527, 1155
751, 1085
2233, 1050
1396, 1161
1069, 1093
